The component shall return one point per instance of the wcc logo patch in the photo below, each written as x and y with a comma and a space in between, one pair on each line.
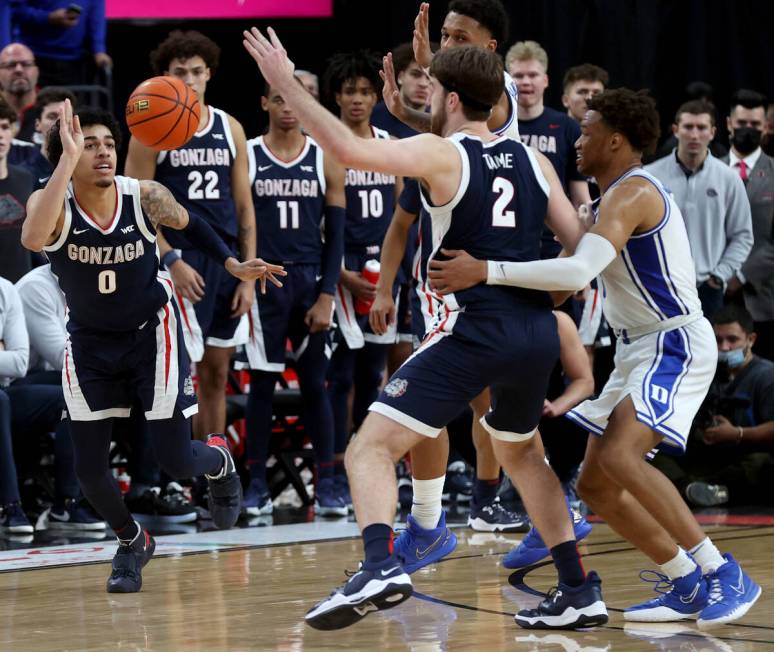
396, 387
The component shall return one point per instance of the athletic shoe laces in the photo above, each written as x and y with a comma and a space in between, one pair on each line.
715, 592
662, 583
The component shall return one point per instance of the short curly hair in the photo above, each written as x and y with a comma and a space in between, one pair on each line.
490, 14
346, 66
631, 113
88, 117
184, 45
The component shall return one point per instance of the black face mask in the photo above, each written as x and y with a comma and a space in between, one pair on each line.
746, 140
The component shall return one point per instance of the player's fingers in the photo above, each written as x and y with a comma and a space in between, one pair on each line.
275, 39
273, 279
452, 253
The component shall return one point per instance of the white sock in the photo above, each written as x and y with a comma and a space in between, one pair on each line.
707, 556
680, 566
426, 507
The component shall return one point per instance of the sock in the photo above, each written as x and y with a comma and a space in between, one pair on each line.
485, 491
338, 468
707, 556
678, 568
377, 543
426, 507
568, 563
325, 470
127, 534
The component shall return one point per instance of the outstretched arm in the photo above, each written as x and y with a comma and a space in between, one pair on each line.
160, 206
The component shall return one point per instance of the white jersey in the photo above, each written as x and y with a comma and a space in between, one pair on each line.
653, 278
510, 127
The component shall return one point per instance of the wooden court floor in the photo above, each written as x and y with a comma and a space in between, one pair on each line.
255, 598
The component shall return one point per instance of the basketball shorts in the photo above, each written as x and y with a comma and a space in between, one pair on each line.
209, 322
667, 375
511, 352
278, 316
404, 319
105, 372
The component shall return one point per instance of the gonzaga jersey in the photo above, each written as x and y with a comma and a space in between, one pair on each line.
110, 277
653, 278
510, 127
497, 214
289, 198
199, 176
370, 204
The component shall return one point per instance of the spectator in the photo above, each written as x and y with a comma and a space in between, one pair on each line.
19, 83
580, 83
310, 81
747, 125
64, 38
732, 460
38, 400
414, 83
549, 131
15, 189
712, 200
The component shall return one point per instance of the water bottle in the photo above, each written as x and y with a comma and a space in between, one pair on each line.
370, 273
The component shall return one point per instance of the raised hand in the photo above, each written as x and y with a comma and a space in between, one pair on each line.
70, 132
271, 57
422, 52
390, 89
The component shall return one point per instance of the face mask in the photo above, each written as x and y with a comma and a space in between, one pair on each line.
746, 140
733, 358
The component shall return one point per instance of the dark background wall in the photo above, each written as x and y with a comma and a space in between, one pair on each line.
656, 44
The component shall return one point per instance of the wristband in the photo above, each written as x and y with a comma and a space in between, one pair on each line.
170, 258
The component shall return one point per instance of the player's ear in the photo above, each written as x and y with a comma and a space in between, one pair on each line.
207, 74
674, 128
337, 97
492, 45
565, 101
264, 103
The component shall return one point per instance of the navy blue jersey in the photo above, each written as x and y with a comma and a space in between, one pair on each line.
370, 205
497, 214
110, 277
199, 176
289, 198
381, 118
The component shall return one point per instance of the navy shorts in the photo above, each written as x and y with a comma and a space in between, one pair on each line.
279, 315
513, 353
105, 373
209, 322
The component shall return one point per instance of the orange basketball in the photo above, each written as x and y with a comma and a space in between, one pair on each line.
163, 113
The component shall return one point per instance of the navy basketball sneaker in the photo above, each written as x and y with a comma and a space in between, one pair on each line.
568, 607
381, 587
257, 499
682, 597
416, 547
731, 594
129, 560
225, 488
493, 517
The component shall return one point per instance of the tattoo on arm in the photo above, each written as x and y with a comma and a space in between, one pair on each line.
161, 207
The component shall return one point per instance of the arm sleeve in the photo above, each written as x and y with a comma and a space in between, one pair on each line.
23, 14
333, 248
573, 273
45, 325
14, 360
97, 27
203, 237
409, 199
739, 234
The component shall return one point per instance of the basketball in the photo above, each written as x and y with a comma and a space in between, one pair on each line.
163, 113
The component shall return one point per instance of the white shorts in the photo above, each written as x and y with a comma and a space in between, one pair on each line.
667, 374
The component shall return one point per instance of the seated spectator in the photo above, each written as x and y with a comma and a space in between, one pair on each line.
15, 188
18, 86
59, 35
712, 200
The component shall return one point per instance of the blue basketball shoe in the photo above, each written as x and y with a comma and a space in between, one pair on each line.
731, 594
130, 558
532, 549
416, 547
257, 499
374, 589
683, 597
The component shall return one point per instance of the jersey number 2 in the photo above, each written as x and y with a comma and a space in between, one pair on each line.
210, 190
501, 216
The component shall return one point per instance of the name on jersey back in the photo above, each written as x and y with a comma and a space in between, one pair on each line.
501, 160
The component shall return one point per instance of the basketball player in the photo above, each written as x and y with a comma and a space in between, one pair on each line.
298, 195
468, 177
665, 360
207, 176
124, 342
359, 357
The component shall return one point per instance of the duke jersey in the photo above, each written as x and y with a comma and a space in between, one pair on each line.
510, 127
653, 278
289, 198
497, 214
370, 204
199, 176
110, 277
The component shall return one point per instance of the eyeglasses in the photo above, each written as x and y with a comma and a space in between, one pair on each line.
10, 65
